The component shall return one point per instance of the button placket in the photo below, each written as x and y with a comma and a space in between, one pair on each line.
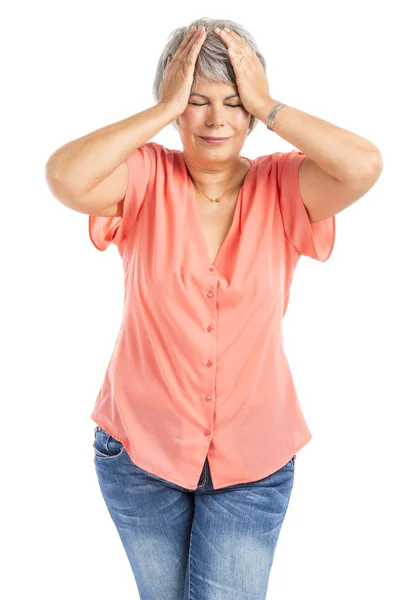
209, 328
209, 363
210, 295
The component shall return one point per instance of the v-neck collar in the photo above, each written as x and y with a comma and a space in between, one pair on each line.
191, 195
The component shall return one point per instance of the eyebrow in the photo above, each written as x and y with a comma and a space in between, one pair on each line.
206, 97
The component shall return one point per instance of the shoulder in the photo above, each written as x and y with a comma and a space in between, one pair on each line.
278, 162
159, 149
159, 154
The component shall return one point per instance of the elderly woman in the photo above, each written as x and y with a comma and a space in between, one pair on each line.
197, 419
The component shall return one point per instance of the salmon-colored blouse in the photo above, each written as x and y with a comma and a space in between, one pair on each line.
199, 367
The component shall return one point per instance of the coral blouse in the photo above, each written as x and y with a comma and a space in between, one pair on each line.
198, 368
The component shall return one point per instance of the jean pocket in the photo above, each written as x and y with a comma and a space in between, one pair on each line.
105, 446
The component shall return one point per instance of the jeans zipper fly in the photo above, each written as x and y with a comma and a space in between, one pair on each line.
205, 475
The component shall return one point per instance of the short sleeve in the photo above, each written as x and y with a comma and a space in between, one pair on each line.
141, 167
315, 240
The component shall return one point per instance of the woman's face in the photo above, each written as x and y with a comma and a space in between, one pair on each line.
219, 113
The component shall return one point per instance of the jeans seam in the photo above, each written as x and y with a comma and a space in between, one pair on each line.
189, 562
102, 456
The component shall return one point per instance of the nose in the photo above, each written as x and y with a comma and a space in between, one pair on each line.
215, 117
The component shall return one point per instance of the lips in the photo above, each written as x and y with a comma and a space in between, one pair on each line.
213, 138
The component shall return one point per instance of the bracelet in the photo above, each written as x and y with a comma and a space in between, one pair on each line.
272, 115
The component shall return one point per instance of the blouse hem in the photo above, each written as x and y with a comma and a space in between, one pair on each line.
221, 484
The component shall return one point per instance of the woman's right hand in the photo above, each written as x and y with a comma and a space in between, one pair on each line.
178, 75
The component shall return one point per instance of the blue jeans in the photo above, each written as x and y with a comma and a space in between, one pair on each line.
201, 544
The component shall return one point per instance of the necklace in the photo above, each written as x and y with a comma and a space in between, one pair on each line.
211, 199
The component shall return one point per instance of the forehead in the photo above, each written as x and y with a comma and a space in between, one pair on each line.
215, 89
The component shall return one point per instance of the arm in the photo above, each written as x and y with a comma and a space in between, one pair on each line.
340, 167
89, 174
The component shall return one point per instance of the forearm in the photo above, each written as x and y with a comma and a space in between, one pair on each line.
83, 163
339, 152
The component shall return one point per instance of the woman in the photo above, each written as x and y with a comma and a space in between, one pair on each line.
197, 421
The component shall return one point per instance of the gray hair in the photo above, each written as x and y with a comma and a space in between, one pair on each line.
213, 62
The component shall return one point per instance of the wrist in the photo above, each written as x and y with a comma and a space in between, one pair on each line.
265, 109
170, 108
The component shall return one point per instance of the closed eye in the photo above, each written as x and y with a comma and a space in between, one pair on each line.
231, 105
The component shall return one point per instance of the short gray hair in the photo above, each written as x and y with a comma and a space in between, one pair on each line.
213, 62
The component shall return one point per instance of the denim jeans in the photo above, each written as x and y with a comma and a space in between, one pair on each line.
201, 544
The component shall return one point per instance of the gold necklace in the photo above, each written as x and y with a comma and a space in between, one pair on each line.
210, 199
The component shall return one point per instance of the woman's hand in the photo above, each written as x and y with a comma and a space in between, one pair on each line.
178, 75
251, 79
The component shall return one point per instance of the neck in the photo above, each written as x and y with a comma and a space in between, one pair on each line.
214, 181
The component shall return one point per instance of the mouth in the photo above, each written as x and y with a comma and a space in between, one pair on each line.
214, 140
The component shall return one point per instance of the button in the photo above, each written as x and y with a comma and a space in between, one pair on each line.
207, 432
208, 397
209, 328
211, 269
210, 294
209, 363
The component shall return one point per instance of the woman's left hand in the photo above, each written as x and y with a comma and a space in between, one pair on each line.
251, 79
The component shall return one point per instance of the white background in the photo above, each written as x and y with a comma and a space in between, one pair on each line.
73, 67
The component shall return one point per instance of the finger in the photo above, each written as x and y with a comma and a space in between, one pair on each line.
194, 44
240, 42
197, 44
234, 40
186, 42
